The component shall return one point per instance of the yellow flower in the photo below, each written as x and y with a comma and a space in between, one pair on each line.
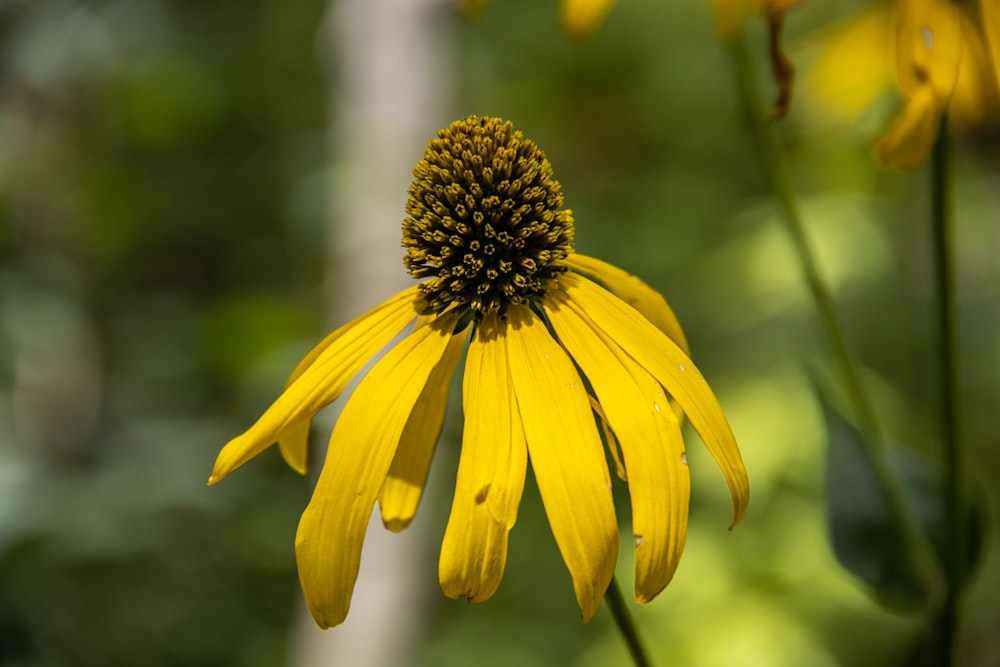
579, 18
934, 53
582, 17
554, 360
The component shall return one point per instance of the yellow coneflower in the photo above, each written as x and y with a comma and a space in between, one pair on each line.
935, 54
554, 360
936, 46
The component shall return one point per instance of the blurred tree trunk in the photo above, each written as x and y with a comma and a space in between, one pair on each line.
388, 61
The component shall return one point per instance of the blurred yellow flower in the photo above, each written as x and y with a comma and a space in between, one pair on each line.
936, 56
580, 18
554, 362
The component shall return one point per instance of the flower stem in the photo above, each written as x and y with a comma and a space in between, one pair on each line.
626, 624
944, 290
922, 561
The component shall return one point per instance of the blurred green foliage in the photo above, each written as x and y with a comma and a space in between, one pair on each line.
160, 273
154, 276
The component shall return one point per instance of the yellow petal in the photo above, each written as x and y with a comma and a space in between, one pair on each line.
294, 447
989, 14
404, 486
609, 438
650, 437
566, 455
854, 66
318, 380
679, 482
332, 527
975, 101
491, 472
474, 550
912, 134
634, 292
582, 17
928, 46
666, 362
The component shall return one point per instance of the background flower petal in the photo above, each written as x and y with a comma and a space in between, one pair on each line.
989, 14
928, 46
582, 17
912, 134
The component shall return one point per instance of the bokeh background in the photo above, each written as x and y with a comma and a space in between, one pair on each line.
192, 193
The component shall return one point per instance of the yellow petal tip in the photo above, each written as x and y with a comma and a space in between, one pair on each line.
737, 519
395, 525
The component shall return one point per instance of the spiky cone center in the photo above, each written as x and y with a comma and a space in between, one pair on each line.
484, 225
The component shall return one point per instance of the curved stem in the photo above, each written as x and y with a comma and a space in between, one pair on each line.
944, 291
626, 625
922, 559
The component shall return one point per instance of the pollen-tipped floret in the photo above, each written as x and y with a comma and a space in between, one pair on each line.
483, 221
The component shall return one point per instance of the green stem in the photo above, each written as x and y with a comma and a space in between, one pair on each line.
944, 284
626, 625
769, 153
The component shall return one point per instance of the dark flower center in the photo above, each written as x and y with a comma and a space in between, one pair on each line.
483, 221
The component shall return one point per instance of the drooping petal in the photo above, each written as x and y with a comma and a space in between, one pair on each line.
404, 485
609, 439
294, 447
582, 17
666, 362
912, 134
566, 455
928, 47
648, 433
364, 440
677, 511
989, 14
634, 292
976, 99
318, 380
491, 471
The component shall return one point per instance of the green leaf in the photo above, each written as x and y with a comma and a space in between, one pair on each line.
870, 538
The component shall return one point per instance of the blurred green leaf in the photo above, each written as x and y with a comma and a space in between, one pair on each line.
869, 539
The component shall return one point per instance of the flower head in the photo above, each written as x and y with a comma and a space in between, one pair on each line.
558, 368
484, 222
